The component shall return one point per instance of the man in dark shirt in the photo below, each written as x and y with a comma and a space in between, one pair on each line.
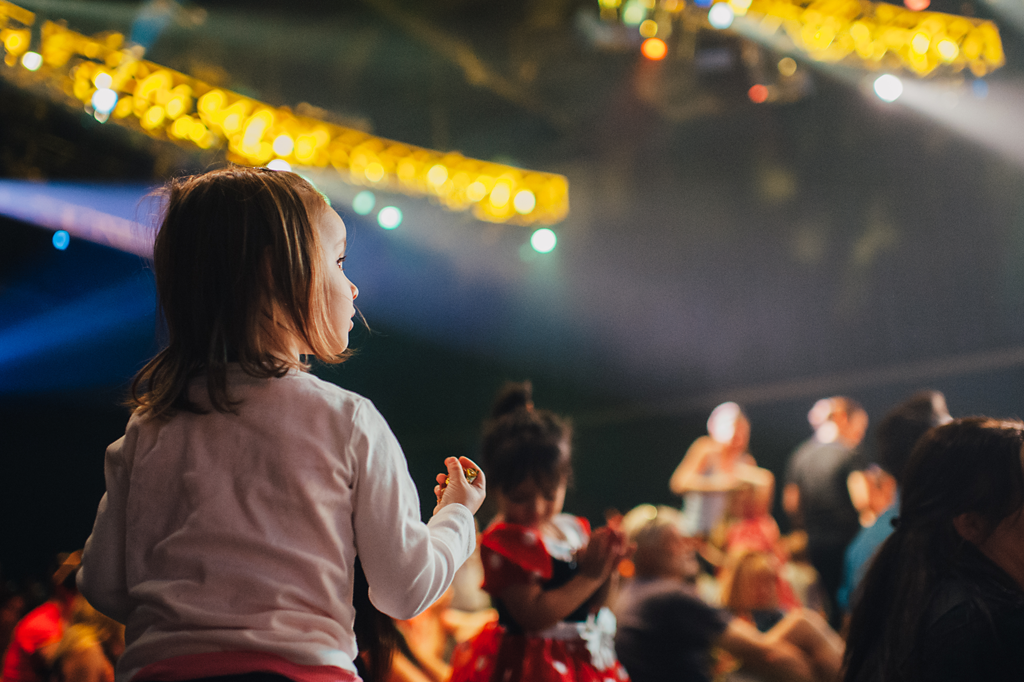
817, 495
665, 632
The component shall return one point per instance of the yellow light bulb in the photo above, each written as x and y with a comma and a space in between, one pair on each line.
437, 175
920, 43
947, 49
649, 28
500, 194
374, 172
476, 191
175, 108
232, 122
153, 117
199, 133
182, 128
211, 101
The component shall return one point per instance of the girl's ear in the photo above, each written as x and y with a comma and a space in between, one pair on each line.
971, 527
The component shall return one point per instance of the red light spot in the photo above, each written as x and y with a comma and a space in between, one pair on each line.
757, 93
654, 49
917, 5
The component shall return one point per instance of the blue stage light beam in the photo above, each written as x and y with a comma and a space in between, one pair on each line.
119, 216
127, 308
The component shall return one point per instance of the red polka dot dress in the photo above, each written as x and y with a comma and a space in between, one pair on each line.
577, 649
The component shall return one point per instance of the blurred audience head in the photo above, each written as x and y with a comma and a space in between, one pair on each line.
662, 548
904, 425
728, 425
838, 418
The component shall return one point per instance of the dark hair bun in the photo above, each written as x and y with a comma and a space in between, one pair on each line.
514, 395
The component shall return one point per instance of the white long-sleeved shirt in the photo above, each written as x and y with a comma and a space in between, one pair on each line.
238, 532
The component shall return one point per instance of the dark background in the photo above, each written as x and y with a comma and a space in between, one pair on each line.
716, 249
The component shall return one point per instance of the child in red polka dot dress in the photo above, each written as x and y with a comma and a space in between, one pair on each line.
547, 573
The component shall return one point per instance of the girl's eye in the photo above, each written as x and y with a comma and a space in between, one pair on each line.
341, 262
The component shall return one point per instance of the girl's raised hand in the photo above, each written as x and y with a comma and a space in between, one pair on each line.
459, 490
603, 553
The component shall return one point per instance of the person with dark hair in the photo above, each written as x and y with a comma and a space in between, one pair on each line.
817, 495
35, 638
895, 438
943, 599
547, 574
244, 486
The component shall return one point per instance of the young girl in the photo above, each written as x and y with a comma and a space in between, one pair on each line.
244, 487
547, 574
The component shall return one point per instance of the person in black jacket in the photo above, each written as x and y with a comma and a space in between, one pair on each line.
943, 600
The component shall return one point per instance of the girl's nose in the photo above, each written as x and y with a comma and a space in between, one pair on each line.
355, 291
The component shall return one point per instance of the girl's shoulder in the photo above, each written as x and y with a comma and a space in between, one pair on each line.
304, 392
506, 547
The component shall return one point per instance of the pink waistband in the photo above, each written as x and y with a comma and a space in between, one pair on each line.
220, 663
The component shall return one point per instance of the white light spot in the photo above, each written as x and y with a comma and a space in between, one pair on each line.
525, 201
721, 15
104, 100
888, 87
544, 240
32, 60
279, 165
389, 217
634, 13
284, 145
559, 667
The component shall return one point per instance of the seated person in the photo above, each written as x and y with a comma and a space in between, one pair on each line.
90, 647
665, 632
33, 645
750, 588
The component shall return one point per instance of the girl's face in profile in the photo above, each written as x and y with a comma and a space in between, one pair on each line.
529, 504
342, 292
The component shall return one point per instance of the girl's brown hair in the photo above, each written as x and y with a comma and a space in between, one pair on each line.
240, 277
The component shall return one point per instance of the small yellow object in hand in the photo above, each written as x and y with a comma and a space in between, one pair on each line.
471, 475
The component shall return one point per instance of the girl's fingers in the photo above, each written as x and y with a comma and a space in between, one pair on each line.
478, 479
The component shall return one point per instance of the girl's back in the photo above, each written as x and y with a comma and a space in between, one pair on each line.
245, 526
244, 487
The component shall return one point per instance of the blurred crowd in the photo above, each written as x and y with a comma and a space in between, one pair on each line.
709, 589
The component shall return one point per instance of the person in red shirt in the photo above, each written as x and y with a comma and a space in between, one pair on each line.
36, 636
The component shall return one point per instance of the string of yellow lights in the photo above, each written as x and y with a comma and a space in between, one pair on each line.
880, 35
872, 35
113, 82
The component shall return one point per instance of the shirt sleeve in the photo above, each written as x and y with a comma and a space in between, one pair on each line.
101, 578
408, 564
